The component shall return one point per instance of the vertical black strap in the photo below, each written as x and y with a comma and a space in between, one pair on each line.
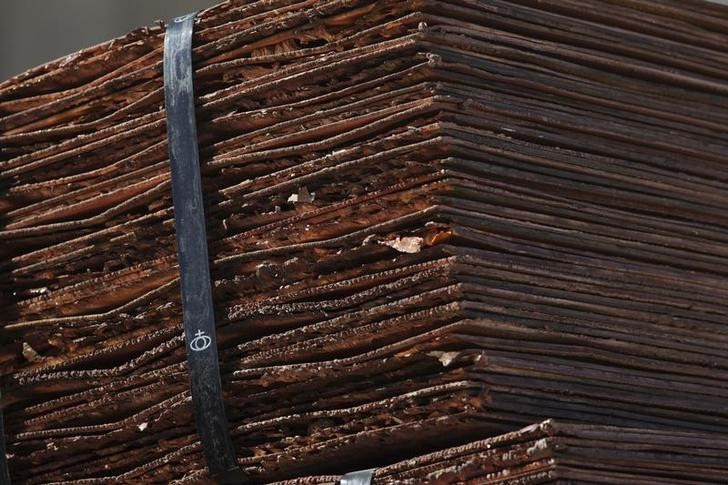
4, 468
361, 477
197, 309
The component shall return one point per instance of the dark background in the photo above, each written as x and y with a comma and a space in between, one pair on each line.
33, 32
36, 31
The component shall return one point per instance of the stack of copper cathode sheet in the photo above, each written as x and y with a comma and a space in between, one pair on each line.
554, 452
429, 223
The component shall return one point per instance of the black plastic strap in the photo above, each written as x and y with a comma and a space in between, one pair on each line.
4, 468
197, 309
361, 477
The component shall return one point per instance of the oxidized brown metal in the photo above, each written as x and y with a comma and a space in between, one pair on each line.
430, 222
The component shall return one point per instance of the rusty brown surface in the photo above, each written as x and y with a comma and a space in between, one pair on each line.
430, 222
556, 452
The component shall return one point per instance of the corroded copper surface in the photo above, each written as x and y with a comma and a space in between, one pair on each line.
430, 222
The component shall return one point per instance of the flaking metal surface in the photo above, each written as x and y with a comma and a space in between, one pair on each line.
429, 223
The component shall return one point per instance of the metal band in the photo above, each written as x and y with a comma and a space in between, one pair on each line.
361, 477
197, 308
4, 468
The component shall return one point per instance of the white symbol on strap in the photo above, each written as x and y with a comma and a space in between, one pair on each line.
200, 342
